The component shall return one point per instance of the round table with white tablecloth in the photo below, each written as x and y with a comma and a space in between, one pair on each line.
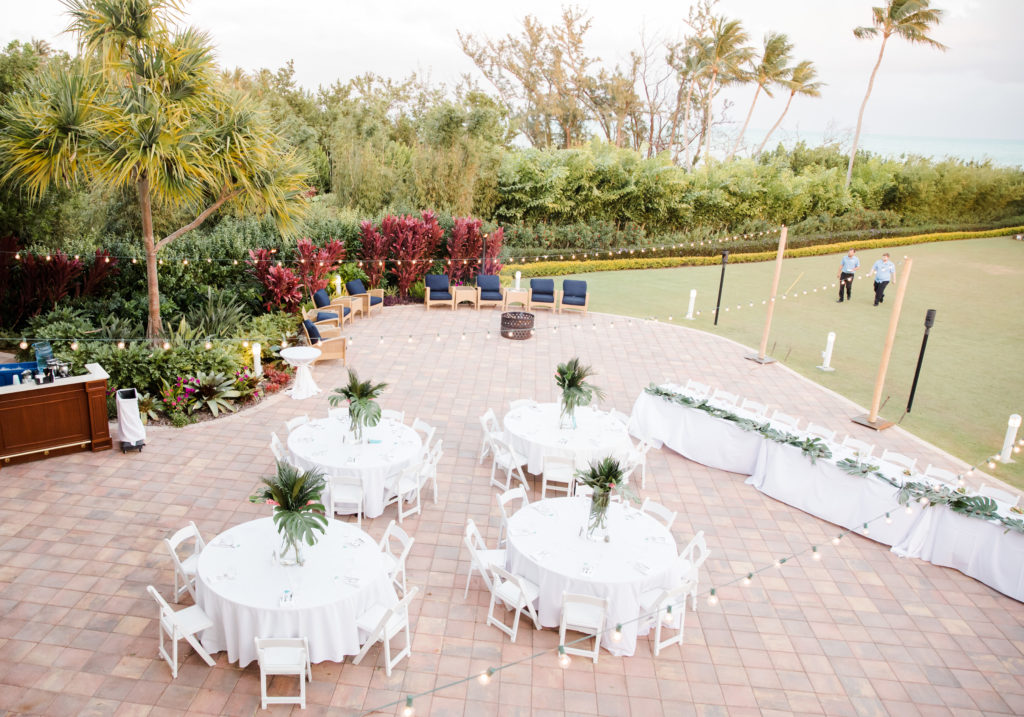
389, 447
533, 430
240, 585
547, 545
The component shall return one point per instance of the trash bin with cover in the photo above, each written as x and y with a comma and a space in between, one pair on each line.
133, 433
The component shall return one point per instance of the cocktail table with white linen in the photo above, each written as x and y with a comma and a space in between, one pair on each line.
389, 447
547, 544
533, 431
302, 357
242, 588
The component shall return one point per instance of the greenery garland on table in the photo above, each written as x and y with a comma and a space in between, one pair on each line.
813, 448
972, 506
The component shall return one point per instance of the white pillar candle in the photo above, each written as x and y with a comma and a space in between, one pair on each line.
257, 353
337, 285
519, 275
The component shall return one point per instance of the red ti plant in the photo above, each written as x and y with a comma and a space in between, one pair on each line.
315, 263
45, 280
281, 288
374, 252
494, 241
464, 248
413, 242
103, 267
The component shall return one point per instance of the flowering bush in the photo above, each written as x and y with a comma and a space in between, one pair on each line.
276, 379
247, 385
180, 395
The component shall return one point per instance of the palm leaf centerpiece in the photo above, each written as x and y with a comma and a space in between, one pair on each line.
298, 511
363, 410
603, 478
571, 377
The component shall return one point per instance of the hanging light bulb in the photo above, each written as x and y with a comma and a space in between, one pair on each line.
120, 344
991, 463
836, 539
712, 598
563, 657
485, 677
167, 345
814, 552
209, 345
747, 578
910, 509
667, 616
23, 345
245, 344
617, 634
74, 346
866, 530
409, 710
888, 519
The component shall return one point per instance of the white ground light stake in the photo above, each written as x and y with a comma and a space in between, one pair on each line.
1011, 435
693, 300
257, 354
826, 355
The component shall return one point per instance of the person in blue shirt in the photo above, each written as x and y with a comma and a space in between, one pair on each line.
885, 272
847, 269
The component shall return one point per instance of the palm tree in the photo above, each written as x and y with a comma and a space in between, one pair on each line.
141, 110
906, 19
727, 53
772, 69
800, 82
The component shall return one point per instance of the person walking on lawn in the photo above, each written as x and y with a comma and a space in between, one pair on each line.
847, 269
885, 272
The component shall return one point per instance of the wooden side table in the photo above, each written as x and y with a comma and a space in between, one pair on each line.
516, 296
466, 293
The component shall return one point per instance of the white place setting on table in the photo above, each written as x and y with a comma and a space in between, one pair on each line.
533, 430
326, 444
248, 593
547, 544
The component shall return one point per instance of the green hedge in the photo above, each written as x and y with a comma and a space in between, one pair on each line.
561, 268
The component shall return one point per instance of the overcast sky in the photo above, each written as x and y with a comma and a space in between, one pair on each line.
975, 90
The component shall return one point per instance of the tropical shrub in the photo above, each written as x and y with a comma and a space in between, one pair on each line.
413, 244
213, 391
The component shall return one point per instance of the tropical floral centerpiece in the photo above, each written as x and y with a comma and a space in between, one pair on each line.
572, 377
298, 511
603, 478
363, 410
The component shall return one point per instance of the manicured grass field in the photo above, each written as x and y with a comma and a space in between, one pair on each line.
971, 380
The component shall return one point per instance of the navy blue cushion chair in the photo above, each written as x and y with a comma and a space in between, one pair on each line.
369, 300
573, 296
489, 292
542, 294
326, 338
326, 308
437, 291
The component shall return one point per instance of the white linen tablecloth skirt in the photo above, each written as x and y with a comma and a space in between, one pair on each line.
545, 546
534, 431
692, 433
240, 586
390, 447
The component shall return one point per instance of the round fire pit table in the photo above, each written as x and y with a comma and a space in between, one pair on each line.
517, 325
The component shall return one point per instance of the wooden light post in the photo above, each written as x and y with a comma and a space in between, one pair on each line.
760, 357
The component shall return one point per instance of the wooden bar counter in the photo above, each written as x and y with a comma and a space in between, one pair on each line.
68, 415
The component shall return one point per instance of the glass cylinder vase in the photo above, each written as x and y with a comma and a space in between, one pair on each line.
597, 522
290, 551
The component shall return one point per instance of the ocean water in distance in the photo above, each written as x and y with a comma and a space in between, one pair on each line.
1002, 152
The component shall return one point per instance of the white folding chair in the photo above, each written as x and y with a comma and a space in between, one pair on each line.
294, 423
284, 656
586, 614
942, 475
489, 426
504, 499
407, 490
724, 399
513, 405
347, 496
480, 556
697, 390
506, 458
862, 448
784, 419
384, 624
429, 468
638, 459
428, 433
517, 593
656, 509
278, 449
899, 459
559, 475
690, 561
816, 430
757, 409
185, 570
666, 610
1004, 498
183, 624
393, 415
396, 559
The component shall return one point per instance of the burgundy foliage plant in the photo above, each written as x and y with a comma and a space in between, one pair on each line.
315, 263
413, 244
374, 254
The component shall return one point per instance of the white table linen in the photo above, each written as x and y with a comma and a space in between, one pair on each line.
389, 448
827, 491
240, 585
545, 546
975, 547
301, 357
533, 431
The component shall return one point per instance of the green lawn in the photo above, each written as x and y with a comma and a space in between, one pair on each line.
971, 380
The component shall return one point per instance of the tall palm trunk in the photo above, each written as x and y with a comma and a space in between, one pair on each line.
860, 117
155, 327
776, 125
707, 119
743, 131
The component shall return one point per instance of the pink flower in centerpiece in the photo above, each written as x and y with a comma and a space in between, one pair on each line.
271, 502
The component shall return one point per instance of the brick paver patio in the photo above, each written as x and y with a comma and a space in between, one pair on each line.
862, 632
